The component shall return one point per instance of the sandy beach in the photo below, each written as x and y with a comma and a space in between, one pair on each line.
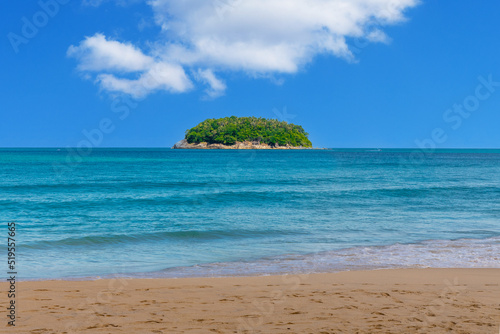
380, 301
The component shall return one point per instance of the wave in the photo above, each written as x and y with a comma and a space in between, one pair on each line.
85, 199
195, 235
461, 253
218, 180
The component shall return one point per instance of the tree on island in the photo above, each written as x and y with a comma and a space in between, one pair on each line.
229, 130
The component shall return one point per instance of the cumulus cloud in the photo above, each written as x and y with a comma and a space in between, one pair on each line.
96, 53
258, 37
161, 76
269, 35
109, 58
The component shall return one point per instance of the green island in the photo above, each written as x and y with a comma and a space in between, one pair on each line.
245, 132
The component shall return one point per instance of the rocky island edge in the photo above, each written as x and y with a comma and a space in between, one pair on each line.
246, 145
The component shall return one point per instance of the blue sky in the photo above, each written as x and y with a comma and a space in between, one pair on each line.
365, 73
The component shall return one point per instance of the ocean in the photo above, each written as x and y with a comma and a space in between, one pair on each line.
189, 213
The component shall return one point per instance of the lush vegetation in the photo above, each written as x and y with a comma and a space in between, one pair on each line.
229, 130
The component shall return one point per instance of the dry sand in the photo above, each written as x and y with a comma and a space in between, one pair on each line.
381, 301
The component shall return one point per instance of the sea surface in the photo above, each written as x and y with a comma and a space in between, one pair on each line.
181, 213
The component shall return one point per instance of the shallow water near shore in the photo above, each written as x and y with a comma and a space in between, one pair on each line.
177, 213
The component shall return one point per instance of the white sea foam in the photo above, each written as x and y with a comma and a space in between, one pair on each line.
463, 253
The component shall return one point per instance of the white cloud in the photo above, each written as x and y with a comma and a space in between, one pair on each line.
258, 37
263, 36
94, 3
167, 77
216, 86
97, 3
98, 54
377, 35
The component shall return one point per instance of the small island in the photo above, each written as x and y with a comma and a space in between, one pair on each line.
245, 133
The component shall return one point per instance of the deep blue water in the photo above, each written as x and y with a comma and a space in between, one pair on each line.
174, 213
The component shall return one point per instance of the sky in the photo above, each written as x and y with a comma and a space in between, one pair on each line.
353, 73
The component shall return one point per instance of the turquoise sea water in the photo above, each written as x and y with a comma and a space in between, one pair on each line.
176, 213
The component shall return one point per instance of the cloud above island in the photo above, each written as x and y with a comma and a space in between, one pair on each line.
111, 61
207, 38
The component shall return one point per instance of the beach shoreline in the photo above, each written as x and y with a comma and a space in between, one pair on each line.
374, 301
